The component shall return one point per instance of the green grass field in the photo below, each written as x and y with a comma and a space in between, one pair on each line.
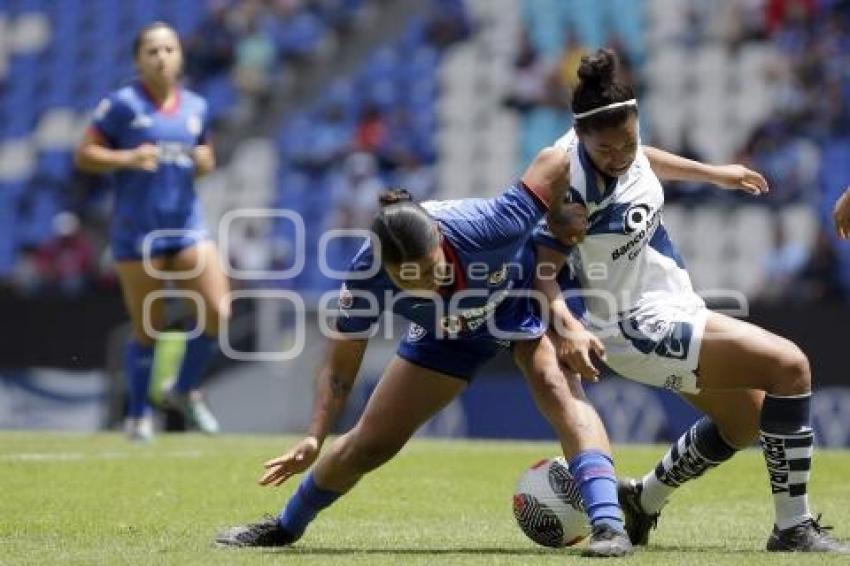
100, 500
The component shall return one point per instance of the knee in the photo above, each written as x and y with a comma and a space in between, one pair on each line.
217, 315
363, 455
794, 372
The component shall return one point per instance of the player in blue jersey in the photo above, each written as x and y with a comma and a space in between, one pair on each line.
460, 271
751, 384
153, 137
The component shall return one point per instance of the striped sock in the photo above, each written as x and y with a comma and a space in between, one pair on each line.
699, 449
787, 441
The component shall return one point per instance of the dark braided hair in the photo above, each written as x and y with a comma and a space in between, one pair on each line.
403, 229
598, 87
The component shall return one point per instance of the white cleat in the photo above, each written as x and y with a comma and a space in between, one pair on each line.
139, 429
194, 410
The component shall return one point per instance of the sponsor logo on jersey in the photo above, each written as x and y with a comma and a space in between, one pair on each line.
498, 277
415, 333
641, 221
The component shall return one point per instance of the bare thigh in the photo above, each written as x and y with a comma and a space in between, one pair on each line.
136, 285
405, 398
211, 283
739, 355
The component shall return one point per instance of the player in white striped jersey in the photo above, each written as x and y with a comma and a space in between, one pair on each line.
655, 329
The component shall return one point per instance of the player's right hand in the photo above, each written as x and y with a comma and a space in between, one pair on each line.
297, 460
145, 157
574, 350
841, 215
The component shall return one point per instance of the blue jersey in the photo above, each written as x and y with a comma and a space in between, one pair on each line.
487, 243
164, 199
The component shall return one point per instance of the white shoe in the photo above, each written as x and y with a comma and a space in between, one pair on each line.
193, 409
139, 429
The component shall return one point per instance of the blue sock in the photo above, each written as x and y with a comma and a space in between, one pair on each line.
137, 372
304, 505
593, 472
199, 352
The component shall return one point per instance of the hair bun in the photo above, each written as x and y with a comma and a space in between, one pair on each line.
599, 68
394, 196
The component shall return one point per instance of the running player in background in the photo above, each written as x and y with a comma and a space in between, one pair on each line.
152, 135
750, 383
450, 268
841, 215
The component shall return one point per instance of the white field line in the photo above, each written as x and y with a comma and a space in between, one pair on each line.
109, 455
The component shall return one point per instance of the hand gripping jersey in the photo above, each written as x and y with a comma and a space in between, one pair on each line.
638, 296
164, 199
487, 243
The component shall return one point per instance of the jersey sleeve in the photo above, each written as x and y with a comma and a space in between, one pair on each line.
110, 119
544, 237
510, 218
360, 300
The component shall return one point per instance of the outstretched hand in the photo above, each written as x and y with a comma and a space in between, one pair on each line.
740, 178
297, 460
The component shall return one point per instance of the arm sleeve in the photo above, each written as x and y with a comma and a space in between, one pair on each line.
204, 135
510, 218
110, 119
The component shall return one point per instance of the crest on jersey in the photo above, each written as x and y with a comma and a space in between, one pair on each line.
193, 124
636, 217
345, 299
498, 277
452, 324
415, 333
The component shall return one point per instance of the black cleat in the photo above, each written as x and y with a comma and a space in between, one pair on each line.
638, 521
607, 542
808, 536
267, 532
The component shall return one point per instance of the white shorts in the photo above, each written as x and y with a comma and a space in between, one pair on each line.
658, 342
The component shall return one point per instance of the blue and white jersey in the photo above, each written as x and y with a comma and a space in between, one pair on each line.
165, 198
487, 243
627, 256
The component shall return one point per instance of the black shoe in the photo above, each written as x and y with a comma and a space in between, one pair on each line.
267, 532
808, 536
607, 542
638, 521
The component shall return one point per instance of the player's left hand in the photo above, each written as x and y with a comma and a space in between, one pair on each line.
297, 460
736, 177
841, 215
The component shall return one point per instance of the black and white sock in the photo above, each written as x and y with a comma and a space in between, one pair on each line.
700, 448
787, 441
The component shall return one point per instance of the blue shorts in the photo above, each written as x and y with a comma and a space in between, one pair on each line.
129, 246
460, 358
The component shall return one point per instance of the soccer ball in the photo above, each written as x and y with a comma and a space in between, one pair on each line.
548, 507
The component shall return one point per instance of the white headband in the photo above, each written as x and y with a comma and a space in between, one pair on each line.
612, 106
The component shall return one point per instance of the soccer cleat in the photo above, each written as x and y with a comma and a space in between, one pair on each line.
140, 429
638, 521
808, 536
607, 542
193, 409
267, 532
